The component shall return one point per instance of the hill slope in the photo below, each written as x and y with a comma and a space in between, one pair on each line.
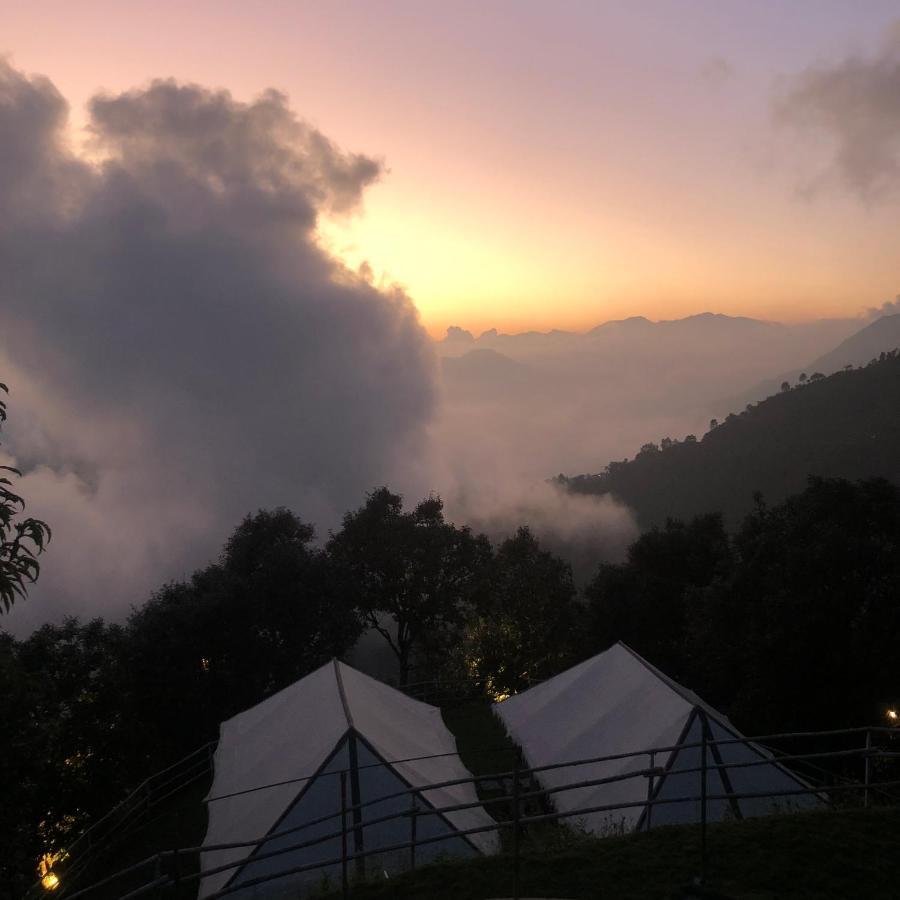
846, 426
882, 335
867, 344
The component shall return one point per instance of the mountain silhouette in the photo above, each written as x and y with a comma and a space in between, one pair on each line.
846, 425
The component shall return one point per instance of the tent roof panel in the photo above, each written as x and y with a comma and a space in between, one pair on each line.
400, 728
614, 703
291, 734
287, 736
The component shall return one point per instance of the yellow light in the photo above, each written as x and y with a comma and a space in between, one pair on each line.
49, 879
893, 715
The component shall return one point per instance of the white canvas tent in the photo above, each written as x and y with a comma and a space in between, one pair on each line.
297, 742
617, 703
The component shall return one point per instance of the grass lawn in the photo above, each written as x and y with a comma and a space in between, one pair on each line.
848, 854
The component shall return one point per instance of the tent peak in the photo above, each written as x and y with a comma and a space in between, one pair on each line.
695, 700
340, 686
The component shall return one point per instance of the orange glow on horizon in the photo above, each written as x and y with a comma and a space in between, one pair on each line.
524, 188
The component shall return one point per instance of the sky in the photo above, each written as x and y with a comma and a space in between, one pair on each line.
545, 165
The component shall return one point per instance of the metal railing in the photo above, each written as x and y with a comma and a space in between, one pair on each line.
135, 811
522, 788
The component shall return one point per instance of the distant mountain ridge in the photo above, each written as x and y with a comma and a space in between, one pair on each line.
458, 338
846, 425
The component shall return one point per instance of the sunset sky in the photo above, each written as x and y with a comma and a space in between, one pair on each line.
550, 164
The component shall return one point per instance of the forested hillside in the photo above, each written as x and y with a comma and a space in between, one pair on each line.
846, 425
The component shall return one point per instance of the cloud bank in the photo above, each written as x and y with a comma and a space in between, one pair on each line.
857, 103
180, 348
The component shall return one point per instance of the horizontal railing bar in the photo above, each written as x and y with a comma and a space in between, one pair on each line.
161, 882
110, 878
134, 793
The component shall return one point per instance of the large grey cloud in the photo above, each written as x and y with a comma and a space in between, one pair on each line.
180, 348
856, 102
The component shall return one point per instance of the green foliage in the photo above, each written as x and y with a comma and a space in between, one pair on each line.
22, 540
644, 601
61, 744
792, 624
803, 632
524, 630
414, 576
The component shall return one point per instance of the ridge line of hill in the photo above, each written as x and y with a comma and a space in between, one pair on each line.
845, 425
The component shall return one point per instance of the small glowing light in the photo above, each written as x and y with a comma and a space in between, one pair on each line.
204, 664
893, 715
49, 878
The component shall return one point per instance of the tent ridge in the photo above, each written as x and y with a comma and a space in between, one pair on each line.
343, 693
685, 693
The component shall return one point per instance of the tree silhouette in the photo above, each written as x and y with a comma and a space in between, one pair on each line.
413, 575
22, 540
525, 628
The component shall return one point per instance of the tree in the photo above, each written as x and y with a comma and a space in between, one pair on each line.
414, 576
785, 387
803, 633
269, 611
22, 540
645, 600
62, 765
525, 629
802, 378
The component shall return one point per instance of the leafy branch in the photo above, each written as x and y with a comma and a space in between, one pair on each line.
21, 540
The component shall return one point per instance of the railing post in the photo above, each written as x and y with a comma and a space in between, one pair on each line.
868, 769
412, 832
345, 886
650, 785
703, 768
157, 874
515, 834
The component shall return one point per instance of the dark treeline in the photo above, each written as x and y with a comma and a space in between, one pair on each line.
842, 426
792, 621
